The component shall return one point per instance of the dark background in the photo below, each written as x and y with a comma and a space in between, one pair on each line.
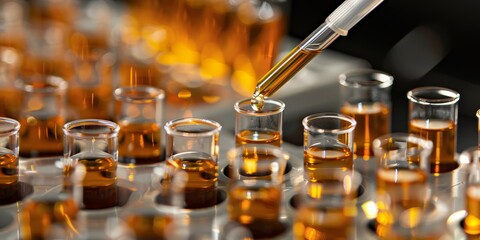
421, 43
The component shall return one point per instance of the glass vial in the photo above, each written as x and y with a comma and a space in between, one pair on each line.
42, 116
259, 127
433, 113
192, 147
90, 148
365, 96
9, 182
401, 178
139, 113
328, 143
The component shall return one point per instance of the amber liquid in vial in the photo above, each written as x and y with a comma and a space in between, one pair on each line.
8, 169
256, 164
149, 225
139, 143
443, 135
200, 190
99, 183
255, 206
320, 157
373, 120
323, 223
8, 177
258, 137
39, 214
282, 72
405, 188
472, 221
41, 137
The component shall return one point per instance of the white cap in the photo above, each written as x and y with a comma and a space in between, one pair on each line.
349, 13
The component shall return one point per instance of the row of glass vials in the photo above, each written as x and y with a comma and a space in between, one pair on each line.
336, 146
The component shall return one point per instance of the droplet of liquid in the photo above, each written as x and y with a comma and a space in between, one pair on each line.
257, 102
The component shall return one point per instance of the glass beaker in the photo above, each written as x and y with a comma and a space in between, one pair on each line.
91, 145
433, 113
42, 116
365, 96
139, 112
9, 182
255, 192
327, 207
192, 147
259, 127
328, 143
401, 177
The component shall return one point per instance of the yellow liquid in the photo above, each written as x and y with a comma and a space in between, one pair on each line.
41, 137
472, 221
323, 223
319, 158
139, 143
99, 183
258, 137
202, 172
248, 204
8, 169
373, 121
443, 135
397, 191
149, 225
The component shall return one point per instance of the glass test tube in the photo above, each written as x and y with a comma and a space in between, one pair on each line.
259, 127
328, 143
365, 96
91, 146
42, 116
8, 160
139, 112
401, 177
192, 147
327, 207
255, 192
433, 113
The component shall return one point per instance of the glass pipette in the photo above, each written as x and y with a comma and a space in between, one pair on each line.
337, 23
